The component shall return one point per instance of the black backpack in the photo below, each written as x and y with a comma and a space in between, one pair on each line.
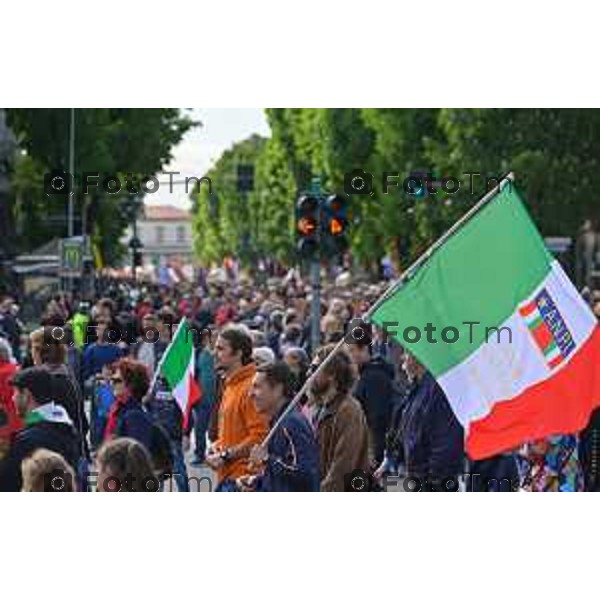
160, 449
159, 445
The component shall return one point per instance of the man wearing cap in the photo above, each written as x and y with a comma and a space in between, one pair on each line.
47, 425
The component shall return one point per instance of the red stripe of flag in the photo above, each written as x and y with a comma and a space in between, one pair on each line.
560, 404
542, 335
194, 398
527, 309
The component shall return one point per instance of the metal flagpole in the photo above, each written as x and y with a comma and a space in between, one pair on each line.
394, 286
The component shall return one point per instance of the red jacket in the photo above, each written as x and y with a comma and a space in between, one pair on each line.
10, 422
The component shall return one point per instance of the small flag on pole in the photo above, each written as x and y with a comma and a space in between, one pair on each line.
177, 368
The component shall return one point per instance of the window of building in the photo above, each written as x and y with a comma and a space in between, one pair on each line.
160, 234
181, 233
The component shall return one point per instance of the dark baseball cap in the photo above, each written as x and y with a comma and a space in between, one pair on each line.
38, 381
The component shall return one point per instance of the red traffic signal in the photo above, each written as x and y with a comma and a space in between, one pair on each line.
307, 225
336, 226
336, 210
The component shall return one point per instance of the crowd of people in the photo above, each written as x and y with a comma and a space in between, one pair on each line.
82, 399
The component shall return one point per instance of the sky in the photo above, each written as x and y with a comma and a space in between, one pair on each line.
202, 146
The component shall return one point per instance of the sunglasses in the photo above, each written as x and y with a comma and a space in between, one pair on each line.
116, 380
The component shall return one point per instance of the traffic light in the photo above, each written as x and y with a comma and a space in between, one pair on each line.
336, 223
307, 225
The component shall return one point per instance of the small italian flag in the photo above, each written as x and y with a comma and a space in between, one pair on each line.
177, 367
521, 354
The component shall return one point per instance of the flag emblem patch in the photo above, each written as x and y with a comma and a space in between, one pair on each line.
548, 328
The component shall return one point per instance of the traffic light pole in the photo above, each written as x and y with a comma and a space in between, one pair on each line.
321, 227
315, 280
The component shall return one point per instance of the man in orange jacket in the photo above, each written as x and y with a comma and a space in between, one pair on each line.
240, 425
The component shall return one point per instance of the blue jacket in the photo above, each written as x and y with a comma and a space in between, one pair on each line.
432, 437
375, 392
164, 410
134, 422
293, 462
58, 437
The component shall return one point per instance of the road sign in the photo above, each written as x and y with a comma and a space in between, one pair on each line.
71, 256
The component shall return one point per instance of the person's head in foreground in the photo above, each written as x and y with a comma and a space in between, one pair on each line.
335, 379
124, 465
272, 387
46, 471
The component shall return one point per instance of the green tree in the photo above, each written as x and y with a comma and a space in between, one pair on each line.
273, 203
553, 153
226, 223
108, 141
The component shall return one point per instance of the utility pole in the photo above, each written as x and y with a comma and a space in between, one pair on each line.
321, 227
71, 214
69, 283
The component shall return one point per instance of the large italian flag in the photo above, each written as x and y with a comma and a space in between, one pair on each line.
540, 375
177, 368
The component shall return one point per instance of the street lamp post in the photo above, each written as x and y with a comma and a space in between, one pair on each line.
71, 213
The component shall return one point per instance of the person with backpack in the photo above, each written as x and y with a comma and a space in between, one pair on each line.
165, 411
163, 408
129, 418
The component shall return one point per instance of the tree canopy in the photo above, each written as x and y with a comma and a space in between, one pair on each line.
553, 152
108, 140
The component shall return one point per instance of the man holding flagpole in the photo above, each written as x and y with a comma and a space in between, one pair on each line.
517, 348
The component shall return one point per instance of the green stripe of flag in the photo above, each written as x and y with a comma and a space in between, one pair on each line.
535, 322
178, 356
551, 347
481, 273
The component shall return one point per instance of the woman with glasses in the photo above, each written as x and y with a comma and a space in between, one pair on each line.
127, 417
